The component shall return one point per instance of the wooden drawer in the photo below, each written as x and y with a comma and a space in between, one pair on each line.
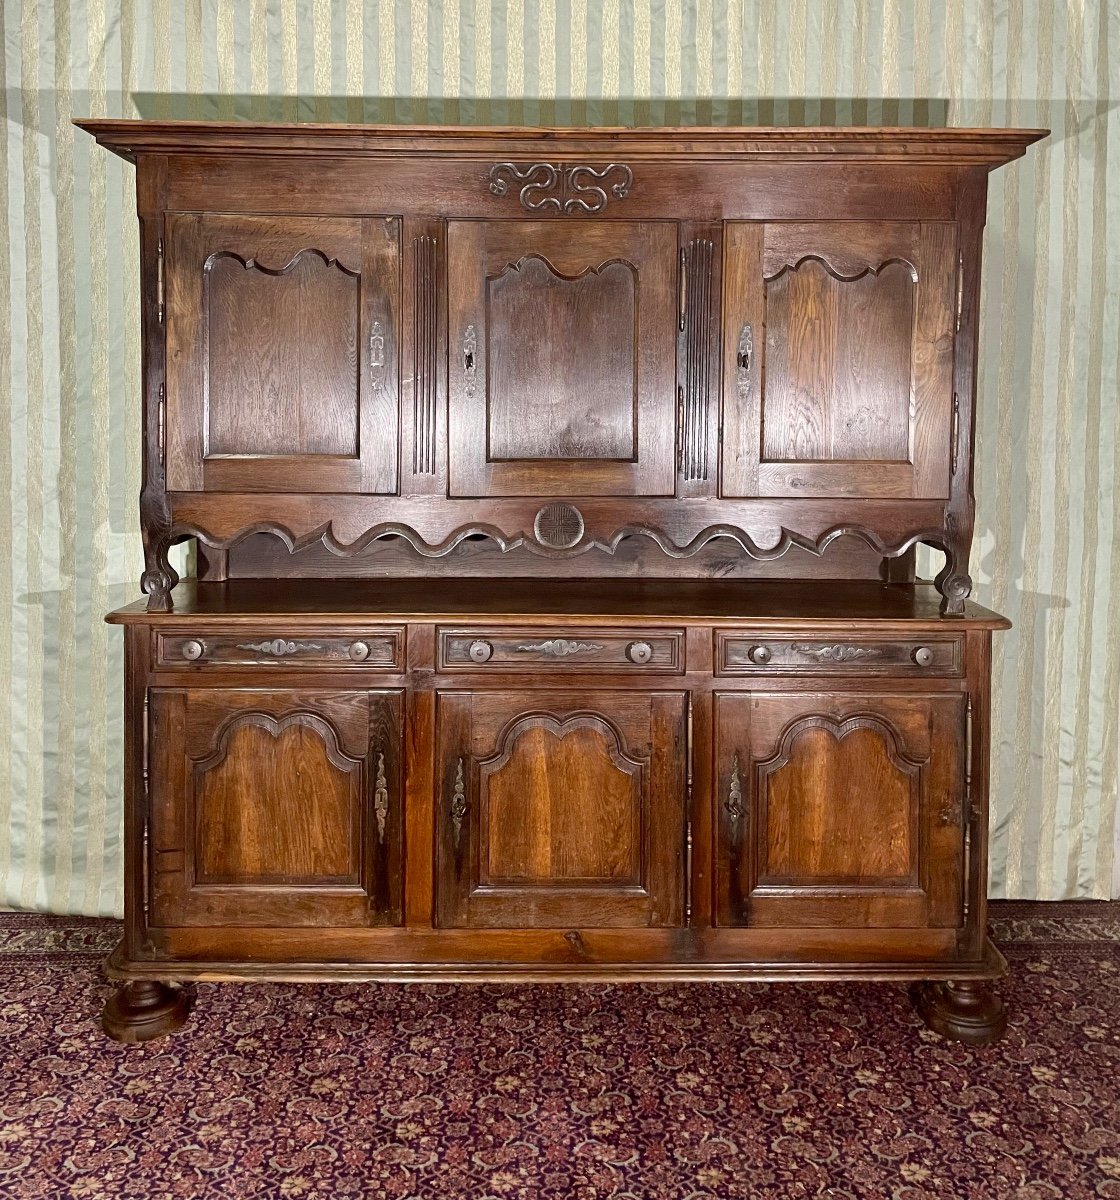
743, 654
572, 649
381, 648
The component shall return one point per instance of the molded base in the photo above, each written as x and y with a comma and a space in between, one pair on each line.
144, 1009
965, 1010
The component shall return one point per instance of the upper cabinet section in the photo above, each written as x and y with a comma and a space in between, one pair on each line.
563, 358
838, 358
570, 342
281, 362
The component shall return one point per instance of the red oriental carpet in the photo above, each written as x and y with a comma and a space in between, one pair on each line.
640, 1092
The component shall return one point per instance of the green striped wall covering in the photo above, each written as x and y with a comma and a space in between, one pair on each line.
1047, 549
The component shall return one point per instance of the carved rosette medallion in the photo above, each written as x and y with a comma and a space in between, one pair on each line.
562, 187
559, 526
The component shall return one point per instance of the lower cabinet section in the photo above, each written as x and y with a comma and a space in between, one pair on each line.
561, 808
840, 810
500, 822
275, 807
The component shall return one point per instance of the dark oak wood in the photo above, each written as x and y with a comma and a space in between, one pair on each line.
556, 495
144, 1009
965, 1010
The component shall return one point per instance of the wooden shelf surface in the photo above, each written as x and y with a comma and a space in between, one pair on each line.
769, 601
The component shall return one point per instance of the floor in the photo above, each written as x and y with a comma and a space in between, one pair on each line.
646, 1092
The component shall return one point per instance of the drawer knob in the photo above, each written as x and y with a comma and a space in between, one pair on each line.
639, 652
359, 651
923, 656
481, 651
759, 655
192, 651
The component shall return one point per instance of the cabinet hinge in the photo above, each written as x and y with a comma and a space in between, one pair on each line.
146, 816
960, 288
682, 286
159, 281
161, 424
688, 818
970, 813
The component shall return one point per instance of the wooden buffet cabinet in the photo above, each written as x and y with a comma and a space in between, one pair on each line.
556, 495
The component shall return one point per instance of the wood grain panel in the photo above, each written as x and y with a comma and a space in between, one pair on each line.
826, 798
277, 803
276, 807
282, 361
561, 808
838, 364
851, 394
507, 368
282, 364
573, 393
816, 828
561, 805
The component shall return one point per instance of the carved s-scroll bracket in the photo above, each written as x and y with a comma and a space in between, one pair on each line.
563, 187
458, 803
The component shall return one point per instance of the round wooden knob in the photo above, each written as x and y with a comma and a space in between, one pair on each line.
923, 656
639, 652
760, 655
481, 651
192, 651
359, 651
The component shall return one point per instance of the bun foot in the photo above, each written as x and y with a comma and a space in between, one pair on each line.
144, 1009
966, 1011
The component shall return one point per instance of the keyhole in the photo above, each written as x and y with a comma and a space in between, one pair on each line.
468, 360
744, 361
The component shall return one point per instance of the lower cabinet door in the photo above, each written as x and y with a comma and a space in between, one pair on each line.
274, 807
840, 810
561, 808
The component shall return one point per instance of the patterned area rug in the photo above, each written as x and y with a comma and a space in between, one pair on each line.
645, 1092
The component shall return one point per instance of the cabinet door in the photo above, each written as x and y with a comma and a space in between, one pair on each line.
275, 807
838, 358
561, 809
281, 353
840, 810
563, 358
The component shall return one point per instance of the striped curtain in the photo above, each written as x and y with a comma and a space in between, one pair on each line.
1047, 551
